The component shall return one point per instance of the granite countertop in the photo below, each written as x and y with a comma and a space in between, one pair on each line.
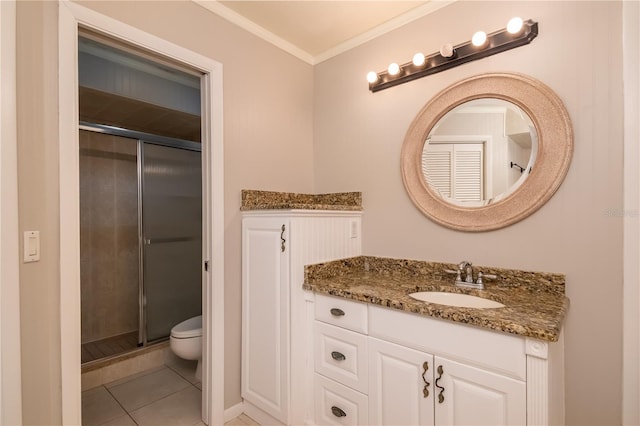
535, 304
270, 200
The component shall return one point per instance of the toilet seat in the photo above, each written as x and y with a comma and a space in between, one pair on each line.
188, 328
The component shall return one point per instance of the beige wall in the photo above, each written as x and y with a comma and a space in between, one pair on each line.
358, 136
38, 210
268, 145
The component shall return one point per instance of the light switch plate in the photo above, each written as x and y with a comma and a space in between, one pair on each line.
354, 229
31, 246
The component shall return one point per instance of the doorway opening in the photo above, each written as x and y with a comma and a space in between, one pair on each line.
75, 19
140, 199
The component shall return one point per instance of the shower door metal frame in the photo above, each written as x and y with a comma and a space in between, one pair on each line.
142, 317
141, 138
147, 137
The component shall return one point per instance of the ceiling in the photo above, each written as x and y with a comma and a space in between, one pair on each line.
315, 31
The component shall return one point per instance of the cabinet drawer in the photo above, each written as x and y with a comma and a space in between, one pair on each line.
341, 355
342, 312
337, 404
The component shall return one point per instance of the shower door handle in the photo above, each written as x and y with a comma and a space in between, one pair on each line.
148, 242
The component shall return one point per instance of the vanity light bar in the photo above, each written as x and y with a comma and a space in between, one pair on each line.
496, 42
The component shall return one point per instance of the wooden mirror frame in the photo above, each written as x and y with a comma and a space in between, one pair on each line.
555, 148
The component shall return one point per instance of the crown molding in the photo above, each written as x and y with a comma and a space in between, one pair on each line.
250, 26
384, 28
255, 29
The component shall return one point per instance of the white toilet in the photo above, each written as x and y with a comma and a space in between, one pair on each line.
186, 341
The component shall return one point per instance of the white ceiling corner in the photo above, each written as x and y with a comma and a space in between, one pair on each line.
315, 31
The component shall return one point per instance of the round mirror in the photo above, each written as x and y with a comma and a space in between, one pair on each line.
487, 151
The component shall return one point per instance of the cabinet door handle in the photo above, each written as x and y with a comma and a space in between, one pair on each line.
282, 240
440, 395
337, 312
425, 390
338, 412
338, 356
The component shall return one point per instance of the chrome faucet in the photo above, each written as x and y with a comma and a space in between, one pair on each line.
466, 267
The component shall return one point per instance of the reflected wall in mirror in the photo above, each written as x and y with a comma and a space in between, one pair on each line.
479, 152
487, 151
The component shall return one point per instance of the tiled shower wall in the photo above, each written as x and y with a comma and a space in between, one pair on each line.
108, 235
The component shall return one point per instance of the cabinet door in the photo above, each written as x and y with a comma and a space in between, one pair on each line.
265, 315
466, 395
400, 385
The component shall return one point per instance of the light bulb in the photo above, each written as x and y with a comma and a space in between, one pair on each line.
372, 77
515, 25
446, 50
479, 38
393, 69
418, 59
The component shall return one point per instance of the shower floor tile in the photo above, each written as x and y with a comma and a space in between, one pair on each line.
111, 346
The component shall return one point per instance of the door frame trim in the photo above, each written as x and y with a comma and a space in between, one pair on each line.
10, 351
71, 17
631, 211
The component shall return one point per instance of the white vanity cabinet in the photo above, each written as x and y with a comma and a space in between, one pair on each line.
401, 386
472, 395
424, 371
265, 312
415, 388
276, 327
341, 357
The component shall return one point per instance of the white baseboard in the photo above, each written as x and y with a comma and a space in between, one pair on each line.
260, 416
254, 412
233, 411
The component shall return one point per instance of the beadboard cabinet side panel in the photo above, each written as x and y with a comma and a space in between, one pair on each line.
316, 238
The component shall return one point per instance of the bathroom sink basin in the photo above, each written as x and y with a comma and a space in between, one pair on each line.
456, 299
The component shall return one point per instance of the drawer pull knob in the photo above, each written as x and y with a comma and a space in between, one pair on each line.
338, 412
338, 356
440, 395
337, 312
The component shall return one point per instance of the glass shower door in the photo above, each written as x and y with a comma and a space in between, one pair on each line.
109, 238
172, 236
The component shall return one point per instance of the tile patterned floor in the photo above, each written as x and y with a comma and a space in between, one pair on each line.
169, 395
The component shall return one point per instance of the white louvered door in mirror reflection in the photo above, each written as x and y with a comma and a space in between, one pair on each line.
455, 170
